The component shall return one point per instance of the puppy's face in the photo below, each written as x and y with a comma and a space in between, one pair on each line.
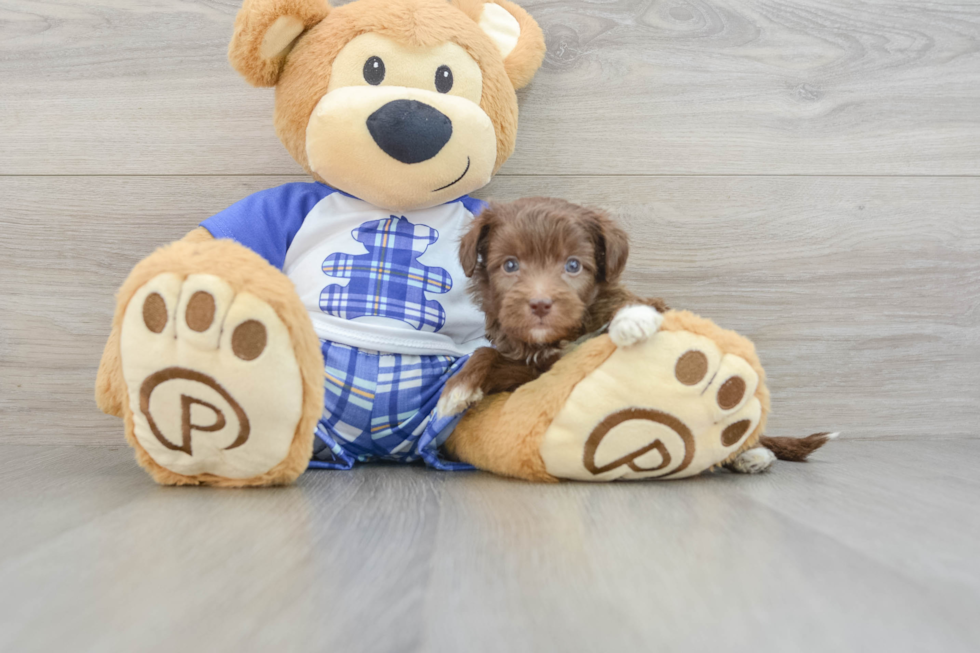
537, 264
541, 277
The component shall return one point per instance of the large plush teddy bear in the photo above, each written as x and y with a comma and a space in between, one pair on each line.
315, 324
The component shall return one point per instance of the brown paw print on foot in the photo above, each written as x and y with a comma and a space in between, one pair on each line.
672, 408
213, 379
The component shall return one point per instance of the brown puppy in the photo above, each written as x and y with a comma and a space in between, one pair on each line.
546, 273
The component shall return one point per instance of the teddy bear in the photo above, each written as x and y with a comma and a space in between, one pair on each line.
315, 324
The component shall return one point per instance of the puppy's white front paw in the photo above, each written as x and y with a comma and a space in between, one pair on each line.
753, 461
457, 400
633, 324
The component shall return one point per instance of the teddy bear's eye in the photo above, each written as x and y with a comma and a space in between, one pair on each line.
444, 79
374, 71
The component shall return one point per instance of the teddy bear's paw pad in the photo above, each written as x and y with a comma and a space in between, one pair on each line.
669, 407
213, 382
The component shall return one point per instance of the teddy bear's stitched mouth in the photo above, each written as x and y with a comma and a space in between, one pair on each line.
457, 178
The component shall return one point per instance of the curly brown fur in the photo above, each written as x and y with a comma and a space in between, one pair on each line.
533, 311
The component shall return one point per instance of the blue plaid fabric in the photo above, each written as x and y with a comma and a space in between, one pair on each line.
388, 281
382, 407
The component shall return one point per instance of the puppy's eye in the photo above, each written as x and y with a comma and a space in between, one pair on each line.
374, 71
573, 266
444, 79
511, 266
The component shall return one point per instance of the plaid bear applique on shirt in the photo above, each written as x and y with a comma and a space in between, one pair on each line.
388, 280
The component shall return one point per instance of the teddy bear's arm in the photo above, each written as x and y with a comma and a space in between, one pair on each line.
110, 388
197, 235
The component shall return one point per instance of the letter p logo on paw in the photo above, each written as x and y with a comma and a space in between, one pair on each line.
176, 391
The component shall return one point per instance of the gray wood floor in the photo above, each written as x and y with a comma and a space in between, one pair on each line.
804, 171
846, 553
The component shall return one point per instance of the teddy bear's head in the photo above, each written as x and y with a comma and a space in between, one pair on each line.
403, 103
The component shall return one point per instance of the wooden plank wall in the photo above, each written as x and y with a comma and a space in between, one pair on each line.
806, 172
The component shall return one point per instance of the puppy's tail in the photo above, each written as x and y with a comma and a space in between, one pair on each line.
796, 449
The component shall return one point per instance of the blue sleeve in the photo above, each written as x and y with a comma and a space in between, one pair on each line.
473, 205
266, 222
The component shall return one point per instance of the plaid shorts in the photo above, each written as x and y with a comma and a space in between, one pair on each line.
382, 407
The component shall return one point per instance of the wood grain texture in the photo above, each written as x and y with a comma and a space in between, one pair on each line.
803, 171
862, 294
679, 87
871, 546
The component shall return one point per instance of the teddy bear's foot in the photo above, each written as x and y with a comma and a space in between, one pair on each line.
667, 407
214, 386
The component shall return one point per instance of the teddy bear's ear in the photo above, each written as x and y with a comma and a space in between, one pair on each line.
265, 31
516, 35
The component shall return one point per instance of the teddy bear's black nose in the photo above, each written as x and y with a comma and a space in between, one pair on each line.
410, 131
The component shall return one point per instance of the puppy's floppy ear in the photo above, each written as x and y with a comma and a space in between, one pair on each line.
265, 31
612, 246
516, 35
473, 245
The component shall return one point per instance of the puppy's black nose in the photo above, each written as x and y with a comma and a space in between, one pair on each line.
540, 306
409, 131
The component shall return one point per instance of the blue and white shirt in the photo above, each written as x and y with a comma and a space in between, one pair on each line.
369, 278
